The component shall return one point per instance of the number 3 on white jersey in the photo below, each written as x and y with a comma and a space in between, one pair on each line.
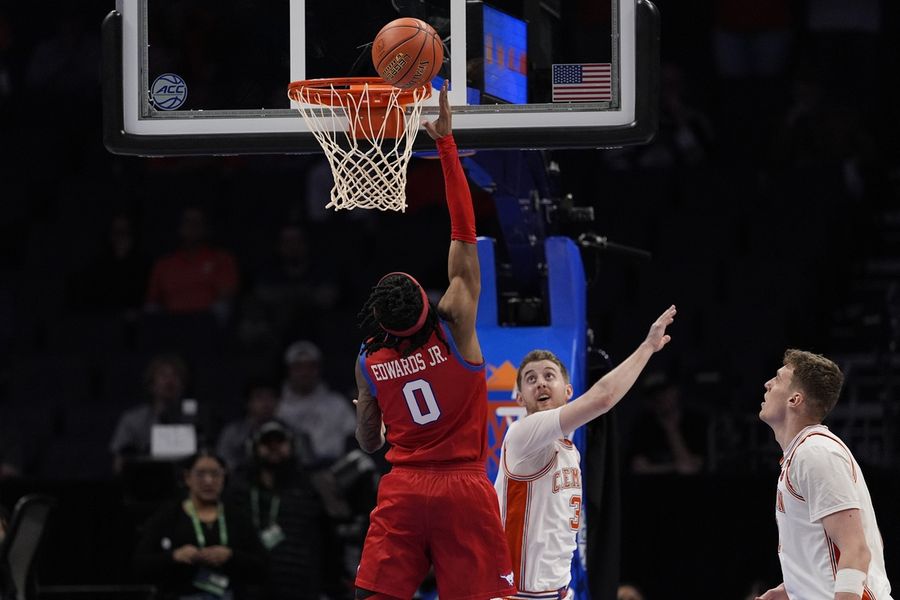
432, 412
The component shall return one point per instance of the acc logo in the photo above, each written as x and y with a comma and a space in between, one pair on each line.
168, 92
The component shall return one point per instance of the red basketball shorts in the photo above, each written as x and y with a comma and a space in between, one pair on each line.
441, 517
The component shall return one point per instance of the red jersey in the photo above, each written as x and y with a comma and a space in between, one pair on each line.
192, 280
433, 402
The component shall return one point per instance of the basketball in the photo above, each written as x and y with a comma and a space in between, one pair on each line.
407, 53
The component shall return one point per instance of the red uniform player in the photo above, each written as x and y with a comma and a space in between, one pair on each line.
421, 382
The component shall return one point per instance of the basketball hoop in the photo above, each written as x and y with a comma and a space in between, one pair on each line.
366, 128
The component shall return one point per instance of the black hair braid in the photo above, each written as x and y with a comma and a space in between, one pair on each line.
398, 302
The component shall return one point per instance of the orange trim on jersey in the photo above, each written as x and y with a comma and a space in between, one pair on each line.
517, 495
834, 554
544, 470
867, 594
789, 485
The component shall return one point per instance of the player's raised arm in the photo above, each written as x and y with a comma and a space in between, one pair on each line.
606, 392
459, 304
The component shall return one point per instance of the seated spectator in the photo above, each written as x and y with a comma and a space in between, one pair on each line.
293, 277
67, 54
752, 41
685, 137
197, 548
666, 437
164, 381
815, 130
116, 279
290, 288
196, 277
309, 407
262, 402
280, 498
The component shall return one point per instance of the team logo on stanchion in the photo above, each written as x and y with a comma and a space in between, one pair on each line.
168, 92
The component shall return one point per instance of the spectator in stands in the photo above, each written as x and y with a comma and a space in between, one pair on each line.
68, 55
752, 48
197, 547
289, 290
196, 277
279, 497
116, 279
816, 130
309, 407
261, 403
165, 379
752, 42
294, 273
666, 437
844, 43
685, 138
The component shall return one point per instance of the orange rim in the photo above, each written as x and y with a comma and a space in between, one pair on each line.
332, 91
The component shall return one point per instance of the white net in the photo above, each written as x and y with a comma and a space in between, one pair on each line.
367, 137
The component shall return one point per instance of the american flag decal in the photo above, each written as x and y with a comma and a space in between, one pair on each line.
582, 82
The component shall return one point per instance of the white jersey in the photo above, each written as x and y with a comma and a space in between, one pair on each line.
539, 488
819, 477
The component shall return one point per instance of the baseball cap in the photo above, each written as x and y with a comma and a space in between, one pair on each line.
302, 350
271, 430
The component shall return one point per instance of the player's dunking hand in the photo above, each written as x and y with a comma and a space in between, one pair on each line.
657, 337
442, 125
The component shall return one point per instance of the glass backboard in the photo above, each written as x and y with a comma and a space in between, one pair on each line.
210, 76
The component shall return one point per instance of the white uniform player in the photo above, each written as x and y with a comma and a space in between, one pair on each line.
539, 482
819, 477
829, 545
539, 487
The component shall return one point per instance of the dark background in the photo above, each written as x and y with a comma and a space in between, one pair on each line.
769, 201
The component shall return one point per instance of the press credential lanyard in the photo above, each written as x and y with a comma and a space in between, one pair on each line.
273, 507
198, 529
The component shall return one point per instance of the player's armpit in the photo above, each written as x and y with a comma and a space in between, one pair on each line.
369, 427
459, 305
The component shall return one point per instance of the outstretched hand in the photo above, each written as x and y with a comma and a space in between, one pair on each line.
442, 125
657, 337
